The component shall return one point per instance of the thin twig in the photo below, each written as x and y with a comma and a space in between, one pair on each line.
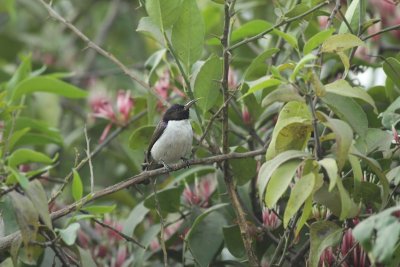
94, 153
126, 237
347, 255
89, 160
100, 50
283, 22
162, 224
391, 28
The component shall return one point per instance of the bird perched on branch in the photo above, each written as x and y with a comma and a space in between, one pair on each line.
172, 139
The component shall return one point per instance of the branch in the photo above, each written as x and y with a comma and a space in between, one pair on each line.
94, 153
100, 50
283, 22
391, 28
230, 186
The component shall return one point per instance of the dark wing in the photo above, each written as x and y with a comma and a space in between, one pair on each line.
157, 133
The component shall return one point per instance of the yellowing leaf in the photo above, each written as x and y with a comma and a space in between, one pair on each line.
341, 42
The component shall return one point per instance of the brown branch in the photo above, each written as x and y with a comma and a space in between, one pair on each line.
391, 28
100, 50
5, 242
230, 186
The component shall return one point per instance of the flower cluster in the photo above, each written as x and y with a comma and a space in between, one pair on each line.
102, 107
270, 219
200, 194
106, 246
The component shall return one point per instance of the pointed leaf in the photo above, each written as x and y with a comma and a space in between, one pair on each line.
37, 195
341, 42
300, 192
282, 94
258, 67
342, 87
188, 34
317, 40
269, 167
331, 168
77, 187
206, 85
24, 155
260, 84
69, 234
348, 110
280, 181
391, 66
48, 85
292, 130
163, 13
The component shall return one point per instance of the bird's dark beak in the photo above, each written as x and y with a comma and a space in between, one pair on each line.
190, 103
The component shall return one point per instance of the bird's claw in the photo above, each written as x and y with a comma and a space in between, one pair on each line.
166, 166
186, 161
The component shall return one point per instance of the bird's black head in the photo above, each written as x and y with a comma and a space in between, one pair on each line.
178, 112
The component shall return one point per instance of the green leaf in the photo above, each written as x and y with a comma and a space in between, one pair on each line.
346, 62
358, 176
163, 13
343, 88
49, 85
26, 215
282, 94
331, 168
37, 195
206, 85
292, 130
21, 178
348, 110
307, 209
280, 181
243, 169
260, 84
22, 73
300, 192
16, 136
374, 140
352, 16
169, 199
258, 66
86, 259
136, 217
317, 40
323, 234
69, 234
233, 240
349, 208
99, 210
140, 138
77, 187
188, 34
389, 116
148, 27
205, 236
300, 65
269, 167
391, 66
290, 39
343, 135
24, 155
153, 61
380, 234
249, 29
341, 42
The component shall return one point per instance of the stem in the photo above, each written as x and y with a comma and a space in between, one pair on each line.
391, 28
283, 22
231, 188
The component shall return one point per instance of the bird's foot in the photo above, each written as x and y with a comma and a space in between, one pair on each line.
166, 166
186, 161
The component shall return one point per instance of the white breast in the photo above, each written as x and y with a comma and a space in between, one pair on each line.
174, 143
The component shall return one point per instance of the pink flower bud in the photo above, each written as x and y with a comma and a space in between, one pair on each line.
246, 117
124, 104
270, 219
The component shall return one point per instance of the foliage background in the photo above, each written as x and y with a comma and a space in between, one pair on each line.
284, 197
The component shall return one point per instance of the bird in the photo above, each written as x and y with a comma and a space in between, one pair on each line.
172, 139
